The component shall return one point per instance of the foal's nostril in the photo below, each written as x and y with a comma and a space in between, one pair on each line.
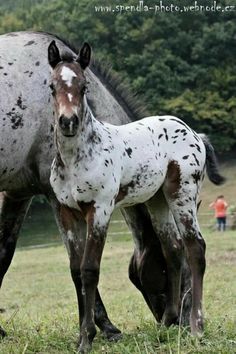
68, 125
75, 120
63, 121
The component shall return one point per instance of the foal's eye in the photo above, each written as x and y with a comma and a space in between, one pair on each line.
52, 89
83, 90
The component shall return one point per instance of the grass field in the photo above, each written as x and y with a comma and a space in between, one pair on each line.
38, 301
41, 312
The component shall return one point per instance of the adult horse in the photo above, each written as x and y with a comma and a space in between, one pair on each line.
26, 153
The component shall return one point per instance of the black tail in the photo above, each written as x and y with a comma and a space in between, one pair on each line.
211, 162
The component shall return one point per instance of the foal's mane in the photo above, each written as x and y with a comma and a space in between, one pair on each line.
130, 102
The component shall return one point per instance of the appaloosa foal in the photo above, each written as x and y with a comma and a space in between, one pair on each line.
143, 160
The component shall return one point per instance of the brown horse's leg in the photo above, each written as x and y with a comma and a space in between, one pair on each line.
11, 218
143, 282
147, 269
185, 214
172, 248
73, 229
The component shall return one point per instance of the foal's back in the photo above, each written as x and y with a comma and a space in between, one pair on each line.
150, 146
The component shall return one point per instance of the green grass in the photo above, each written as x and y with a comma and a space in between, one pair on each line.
41, 311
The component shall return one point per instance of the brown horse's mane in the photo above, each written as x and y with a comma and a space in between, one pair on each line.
130, 102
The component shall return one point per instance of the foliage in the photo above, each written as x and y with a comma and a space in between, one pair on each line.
182, 64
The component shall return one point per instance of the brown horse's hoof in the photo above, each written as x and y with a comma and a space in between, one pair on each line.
113, 336
169, 318
85, 348
2, 333
110, 332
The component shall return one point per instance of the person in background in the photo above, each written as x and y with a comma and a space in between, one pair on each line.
220, 206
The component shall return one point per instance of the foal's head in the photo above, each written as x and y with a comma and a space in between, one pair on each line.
68, 87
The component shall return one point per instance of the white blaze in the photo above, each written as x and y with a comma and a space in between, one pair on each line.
67, 75
70, 97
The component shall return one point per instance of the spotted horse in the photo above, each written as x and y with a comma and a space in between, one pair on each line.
158, 160
27, 151
26, 154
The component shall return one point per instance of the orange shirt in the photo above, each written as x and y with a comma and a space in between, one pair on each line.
220, 207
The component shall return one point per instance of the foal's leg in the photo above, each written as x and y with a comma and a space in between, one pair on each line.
172, 248
182, 202
11, 218
97, 222
73, 229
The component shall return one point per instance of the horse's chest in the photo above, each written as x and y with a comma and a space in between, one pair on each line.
61, 184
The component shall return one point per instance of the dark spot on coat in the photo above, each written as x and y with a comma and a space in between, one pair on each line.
172, 183
195, 158
93, 138
29, 43
129, 152
123, 191
20, 103
180, 122
165, 131
185, 157
16, 119
196, 176
37, 63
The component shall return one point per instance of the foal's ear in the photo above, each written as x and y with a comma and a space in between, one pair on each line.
84, 56
53, 54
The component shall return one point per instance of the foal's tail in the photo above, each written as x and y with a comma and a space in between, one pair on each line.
211, 162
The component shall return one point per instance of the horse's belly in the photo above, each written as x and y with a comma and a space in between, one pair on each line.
139, 192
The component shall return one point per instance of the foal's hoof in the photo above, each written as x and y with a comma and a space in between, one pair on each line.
2, 332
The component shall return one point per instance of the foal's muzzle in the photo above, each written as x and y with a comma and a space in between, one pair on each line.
68, 126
